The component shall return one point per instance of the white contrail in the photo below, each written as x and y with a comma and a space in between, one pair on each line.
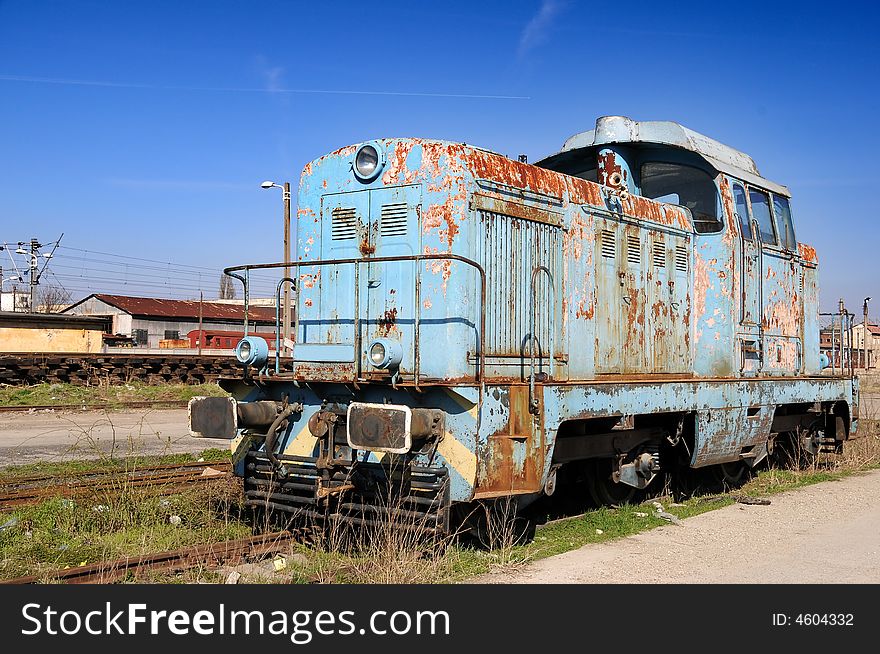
126, 85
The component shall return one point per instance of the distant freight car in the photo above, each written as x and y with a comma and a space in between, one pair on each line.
469, 327
219, 339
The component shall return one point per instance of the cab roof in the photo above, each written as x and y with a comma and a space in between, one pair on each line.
620, 129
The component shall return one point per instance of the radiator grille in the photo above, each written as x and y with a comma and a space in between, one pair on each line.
344, 224
511, 249
393, 221
609, 245
681, 258
658, 251
633, 249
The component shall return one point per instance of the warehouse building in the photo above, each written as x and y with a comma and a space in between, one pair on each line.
51, 332
155, 323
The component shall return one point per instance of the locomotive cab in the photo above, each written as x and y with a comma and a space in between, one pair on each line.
741, 221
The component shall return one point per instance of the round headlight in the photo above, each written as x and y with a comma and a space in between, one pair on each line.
252, 351
243, 353
385, 353
377, 353
367, 161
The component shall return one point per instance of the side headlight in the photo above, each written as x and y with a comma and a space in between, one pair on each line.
252, 351
368, 161
385, 353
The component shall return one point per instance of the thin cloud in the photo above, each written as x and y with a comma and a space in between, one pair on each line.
535, 32
272, 77
223, 89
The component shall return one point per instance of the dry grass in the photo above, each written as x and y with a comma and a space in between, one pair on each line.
393, 551
102, 393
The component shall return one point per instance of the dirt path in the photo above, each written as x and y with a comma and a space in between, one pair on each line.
825, 533
59, 435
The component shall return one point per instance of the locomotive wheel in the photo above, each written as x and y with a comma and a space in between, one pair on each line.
797, 449
733, 473
603, 489
497, 524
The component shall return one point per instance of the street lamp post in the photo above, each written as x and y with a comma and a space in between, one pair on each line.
286, 308
865, 336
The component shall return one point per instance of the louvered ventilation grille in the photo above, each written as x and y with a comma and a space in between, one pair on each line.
633, 249
681, 258
659, 254
608, 245
344, 224
393, 219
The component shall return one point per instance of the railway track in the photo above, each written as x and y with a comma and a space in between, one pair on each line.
162, 479
211, 555
140, 404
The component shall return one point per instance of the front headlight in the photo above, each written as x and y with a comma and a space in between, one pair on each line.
252, 351
368, 161
385, 353
377, 353
243, 353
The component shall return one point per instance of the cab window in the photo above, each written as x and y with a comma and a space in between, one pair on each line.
687, 186
784, 228
760, 202
742, 211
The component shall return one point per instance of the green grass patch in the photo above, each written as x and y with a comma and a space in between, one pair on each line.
113, 395
60, 533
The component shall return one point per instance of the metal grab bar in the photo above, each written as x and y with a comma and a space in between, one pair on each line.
278, 319
533, 401
356, 262
841, 342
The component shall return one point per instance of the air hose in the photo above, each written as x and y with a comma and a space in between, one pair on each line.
271, 435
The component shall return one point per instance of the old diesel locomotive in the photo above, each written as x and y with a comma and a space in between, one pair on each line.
467, 327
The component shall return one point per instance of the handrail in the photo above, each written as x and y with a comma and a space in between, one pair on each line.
417, 258
533, 401
244, 283
841, 351
278, 320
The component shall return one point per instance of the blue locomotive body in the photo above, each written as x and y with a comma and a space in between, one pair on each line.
467, 325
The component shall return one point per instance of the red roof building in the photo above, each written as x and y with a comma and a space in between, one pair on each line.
150, 320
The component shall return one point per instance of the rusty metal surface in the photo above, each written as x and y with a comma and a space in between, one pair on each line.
512, 456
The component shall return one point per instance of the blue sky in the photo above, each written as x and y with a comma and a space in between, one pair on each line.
144, 129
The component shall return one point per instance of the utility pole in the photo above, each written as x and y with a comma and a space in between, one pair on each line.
201, 333
35, 247
865, 336
286, 330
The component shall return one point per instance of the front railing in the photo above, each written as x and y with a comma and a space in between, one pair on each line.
841, 349
244, 278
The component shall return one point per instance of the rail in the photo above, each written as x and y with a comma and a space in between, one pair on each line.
212, 555
246, 269
161, 479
